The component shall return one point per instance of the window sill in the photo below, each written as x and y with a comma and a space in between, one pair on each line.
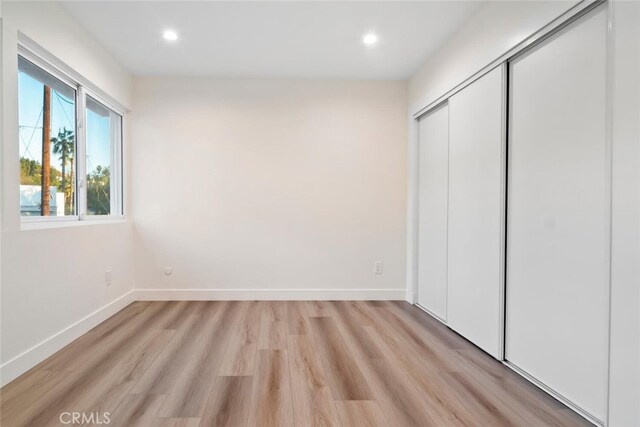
45, 225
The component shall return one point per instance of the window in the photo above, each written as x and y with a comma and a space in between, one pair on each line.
104, 132
70, 147
47, 130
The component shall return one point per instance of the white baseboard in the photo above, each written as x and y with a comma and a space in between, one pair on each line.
268, 294
410, 297
36, 354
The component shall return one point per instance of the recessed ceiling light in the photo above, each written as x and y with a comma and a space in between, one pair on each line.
170, 35
370, 39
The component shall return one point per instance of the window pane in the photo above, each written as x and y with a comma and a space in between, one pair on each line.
103, 145
47, 127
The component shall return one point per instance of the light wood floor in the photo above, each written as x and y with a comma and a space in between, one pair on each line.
277, 364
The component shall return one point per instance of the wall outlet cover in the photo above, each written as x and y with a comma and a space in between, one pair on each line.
378, 267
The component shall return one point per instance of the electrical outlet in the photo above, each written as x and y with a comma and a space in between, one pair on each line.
107, 277
377, 267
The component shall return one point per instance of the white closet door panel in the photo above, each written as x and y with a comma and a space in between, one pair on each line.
558, 215
432, 216
476, 193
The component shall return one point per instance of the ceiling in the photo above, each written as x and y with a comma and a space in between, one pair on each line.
321, 39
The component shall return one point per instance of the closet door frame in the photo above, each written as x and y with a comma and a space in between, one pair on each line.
423, 107
597, 7
443, 316
499, 352
414, 186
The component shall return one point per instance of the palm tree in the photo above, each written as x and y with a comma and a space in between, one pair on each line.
64, 146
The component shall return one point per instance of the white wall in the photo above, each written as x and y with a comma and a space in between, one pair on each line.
53, 279
496, 28
269, 188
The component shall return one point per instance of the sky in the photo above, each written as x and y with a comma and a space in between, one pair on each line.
62, 115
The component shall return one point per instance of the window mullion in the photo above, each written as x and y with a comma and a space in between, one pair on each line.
81, 158
113, 181
116, 175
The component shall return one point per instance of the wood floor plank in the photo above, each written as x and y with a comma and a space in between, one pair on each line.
97, 378
296, 313
166, 369
176, 422
441, 397
229, 403
317, 308
242, 345
35, 379
359, 310
438, 399
428, 325
361, 413
137, 410
188, 396
353, 331
103, 338
105, 392
437, 353
514, 393
180, 311
165, 422
486, 411
271, 399
273, 328
343, 374
28, 392
199, 307
277, 363
313, 403
377, 303
401, 403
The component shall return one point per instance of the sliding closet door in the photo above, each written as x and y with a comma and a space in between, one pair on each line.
558, 214
432, 216
476, 194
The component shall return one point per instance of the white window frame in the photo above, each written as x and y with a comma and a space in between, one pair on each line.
42, 59
116, 169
